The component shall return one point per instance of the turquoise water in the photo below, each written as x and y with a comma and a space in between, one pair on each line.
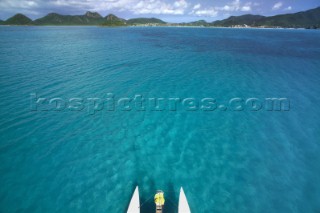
227, 161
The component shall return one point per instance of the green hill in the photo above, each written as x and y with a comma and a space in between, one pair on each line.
113, 21
195, 23
92, 15
305, 19
239, 20
18, 19
137, 21
90, 18
302, 19
112, 17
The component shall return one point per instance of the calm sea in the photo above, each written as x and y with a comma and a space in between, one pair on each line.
77, 155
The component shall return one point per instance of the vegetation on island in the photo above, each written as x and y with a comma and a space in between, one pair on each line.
196, 23
309, 19
297, 20
248, 19
113, 24
90, 18
139, 21
18, 19
306, 19
113, 21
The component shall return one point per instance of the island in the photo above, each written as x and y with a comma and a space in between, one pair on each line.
309, 19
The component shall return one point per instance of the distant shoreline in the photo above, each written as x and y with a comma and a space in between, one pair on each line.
169, 26
309, 19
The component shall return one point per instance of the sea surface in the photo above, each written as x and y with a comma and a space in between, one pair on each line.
89, 159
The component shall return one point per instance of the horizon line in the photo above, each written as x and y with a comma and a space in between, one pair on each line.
148, 16
88, 11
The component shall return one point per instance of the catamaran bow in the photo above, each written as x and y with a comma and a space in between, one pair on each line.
183, 203
134, 206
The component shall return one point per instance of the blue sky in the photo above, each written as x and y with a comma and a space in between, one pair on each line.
172, 11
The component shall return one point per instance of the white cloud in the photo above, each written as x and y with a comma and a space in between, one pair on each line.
180, 4
28, 7
11, 4
197, 6
177, 7
277, 6
246, 8
288, 8
236, 5
159, 7
94, 5
210, 12
233, 6
135, 6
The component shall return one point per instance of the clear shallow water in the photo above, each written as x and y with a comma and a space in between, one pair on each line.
227, 161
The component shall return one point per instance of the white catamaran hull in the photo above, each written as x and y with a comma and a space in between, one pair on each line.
183, 203
134, 206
